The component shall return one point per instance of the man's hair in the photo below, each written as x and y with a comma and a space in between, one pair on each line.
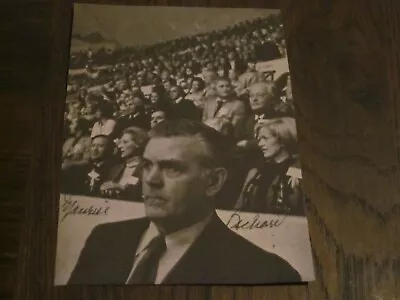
267, 86
109, 146
106, 137
218, 148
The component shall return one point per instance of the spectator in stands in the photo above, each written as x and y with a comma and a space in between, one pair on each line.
196, 93
268, 188
181, 107
104, 124
234, 78
76, 149
209, 81
225, 105
86, 179
168, 83
265, 103
250, 77
123, 179
134, 115
158, 115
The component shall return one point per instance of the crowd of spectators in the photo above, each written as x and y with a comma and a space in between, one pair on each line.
210, 78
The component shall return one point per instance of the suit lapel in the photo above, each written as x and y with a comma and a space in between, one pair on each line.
126, 243
196, 265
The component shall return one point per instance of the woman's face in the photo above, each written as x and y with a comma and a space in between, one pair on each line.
268, 143
127, 146
195, 86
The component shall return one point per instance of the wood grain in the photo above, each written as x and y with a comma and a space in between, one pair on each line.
345, 63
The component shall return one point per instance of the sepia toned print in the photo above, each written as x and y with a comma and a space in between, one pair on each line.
180, 161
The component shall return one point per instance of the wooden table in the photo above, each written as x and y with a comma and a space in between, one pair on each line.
345, 66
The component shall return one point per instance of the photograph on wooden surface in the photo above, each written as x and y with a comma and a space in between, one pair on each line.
179, 157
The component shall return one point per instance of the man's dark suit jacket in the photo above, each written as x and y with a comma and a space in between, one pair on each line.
218, 256
76, 180
185, 109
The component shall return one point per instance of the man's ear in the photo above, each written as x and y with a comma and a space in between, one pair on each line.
216, 180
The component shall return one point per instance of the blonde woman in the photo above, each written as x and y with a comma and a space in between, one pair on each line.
268, 188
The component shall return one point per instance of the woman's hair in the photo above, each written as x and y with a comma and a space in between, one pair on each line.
139, 136
200, 81
284, 129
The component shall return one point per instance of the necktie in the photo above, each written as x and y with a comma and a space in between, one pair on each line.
219, 105
146, 270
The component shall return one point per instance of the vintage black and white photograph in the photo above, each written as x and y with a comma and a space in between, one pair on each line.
179, 160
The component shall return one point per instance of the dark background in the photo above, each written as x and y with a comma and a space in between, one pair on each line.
345, 66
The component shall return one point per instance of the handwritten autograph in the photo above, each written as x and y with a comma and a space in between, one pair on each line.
237, 222
72, 207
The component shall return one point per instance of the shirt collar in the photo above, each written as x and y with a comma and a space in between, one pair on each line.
181, 238
259, 117
178, 100
219, 99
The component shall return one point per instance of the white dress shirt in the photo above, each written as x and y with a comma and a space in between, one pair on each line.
177, 244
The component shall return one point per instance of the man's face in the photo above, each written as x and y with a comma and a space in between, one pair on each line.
167, 86
154, 97
133, 103
260, 98
209, 77
164, 75
157, 117
174, 92
223, 88
251, 66
98, 148
174, 187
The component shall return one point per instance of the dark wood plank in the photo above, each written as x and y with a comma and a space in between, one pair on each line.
344, 58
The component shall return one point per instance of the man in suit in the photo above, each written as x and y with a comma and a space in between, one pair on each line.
181, 240
250, 77
225, 105
86, 179
135, 116
265, 105
182, 108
